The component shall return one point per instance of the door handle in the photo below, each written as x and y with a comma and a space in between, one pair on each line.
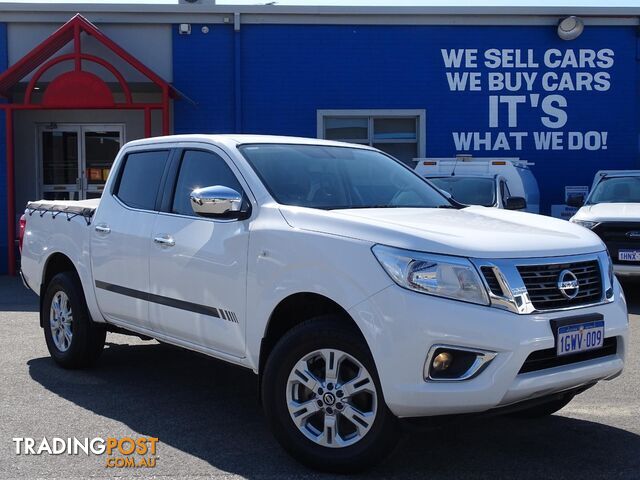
165, 240
103, 228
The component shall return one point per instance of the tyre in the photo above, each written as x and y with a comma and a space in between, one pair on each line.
544, 409
323, 401
73, 339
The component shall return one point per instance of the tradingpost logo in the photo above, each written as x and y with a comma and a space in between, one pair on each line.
124, 452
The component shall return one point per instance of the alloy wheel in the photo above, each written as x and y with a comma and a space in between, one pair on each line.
332, 398
61, 321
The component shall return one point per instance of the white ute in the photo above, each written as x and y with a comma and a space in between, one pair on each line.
357, 292
612, 211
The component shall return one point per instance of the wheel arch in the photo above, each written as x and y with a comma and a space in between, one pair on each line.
56, 263
292, 311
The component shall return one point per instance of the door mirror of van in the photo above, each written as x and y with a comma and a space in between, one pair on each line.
515, 203
575, 201
216, 201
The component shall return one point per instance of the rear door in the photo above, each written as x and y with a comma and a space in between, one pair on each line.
120, 240
198, 265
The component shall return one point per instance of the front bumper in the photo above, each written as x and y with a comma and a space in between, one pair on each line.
400, 327
626, 270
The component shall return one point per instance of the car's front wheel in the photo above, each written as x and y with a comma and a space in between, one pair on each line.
323, 399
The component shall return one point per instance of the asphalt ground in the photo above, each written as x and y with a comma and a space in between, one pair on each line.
209, 423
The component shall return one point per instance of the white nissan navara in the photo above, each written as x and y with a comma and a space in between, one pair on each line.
359, 293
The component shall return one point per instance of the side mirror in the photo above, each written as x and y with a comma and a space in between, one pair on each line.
515, 203
216, 201
575, 201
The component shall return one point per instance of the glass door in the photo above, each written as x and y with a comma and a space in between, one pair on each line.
100, 147
60, 152
76, 159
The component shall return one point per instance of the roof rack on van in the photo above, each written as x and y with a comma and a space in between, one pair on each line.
469, 159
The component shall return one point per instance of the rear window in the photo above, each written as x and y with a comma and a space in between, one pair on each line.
140, 179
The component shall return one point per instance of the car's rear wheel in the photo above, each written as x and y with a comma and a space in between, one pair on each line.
323, 399
73, 339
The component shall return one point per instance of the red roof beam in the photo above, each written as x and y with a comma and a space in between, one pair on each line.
68, 32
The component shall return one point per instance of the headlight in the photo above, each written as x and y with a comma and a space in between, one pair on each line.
441, 275
584, 223
610, 276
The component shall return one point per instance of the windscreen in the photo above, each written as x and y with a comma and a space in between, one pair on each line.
616, 190
469, 190
327, 177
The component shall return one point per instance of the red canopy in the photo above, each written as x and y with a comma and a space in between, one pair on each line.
70, 31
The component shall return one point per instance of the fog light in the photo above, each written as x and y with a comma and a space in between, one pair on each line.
449, 363
442, 361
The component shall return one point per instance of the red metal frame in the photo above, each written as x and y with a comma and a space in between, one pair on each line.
41, 58
77, 57
11, 198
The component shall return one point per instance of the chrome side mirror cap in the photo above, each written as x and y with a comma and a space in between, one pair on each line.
215, 201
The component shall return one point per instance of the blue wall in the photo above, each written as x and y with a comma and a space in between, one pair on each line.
287, 72
3, 163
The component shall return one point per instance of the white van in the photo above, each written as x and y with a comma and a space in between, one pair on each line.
492, 182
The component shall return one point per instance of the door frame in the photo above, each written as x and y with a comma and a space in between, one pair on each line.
80, 128
46, 127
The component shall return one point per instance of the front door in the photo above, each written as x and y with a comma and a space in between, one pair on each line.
75, 160
197, 265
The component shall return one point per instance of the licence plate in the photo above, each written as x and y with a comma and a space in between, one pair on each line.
629, 255
580, 337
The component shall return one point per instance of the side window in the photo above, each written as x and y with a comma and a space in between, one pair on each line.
200, 169
140, 178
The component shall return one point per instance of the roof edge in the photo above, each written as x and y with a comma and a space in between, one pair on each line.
489, 10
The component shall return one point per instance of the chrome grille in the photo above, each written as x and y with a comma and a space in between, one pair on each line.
619, 236
541, 282
492, 280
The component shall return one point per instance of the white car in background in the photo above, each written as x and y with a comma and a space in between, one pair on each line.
506, 183
612, 211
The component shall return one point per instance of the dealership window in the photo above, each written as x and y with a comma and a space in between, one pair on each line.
400, 133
